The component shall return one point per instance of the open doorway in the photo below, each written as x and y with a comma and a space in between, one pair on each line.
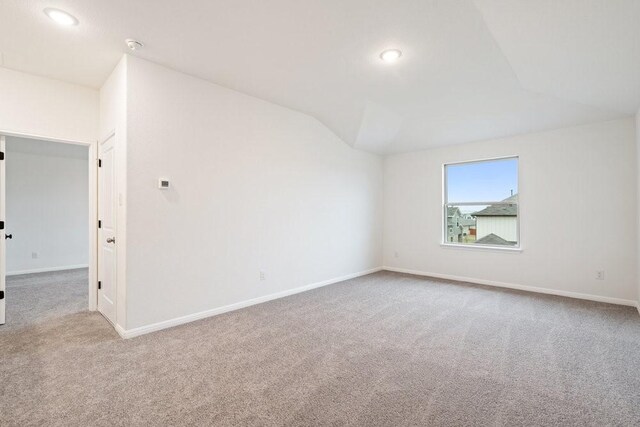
46, 230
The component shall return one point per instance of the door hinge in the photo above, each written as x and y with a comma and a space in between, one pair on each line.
1, 225
1, 294
99, 224
1, 155
99, 163
99, 284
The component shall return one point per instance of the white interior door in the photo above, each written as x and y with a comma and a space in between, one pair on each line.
3, 252
107, 230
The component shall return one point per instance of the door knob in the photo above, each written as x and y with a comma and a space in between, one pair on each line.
8, 236
111, 240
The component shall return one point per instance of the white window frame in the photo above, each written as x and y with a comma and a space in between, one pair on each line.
446, 203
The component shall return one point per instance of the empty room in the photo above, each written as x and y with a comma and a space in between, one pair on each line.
47, 241
310, 213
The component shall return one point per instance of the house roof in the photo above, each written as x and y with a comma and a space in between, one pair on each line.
492, 239
451, 210
501, 210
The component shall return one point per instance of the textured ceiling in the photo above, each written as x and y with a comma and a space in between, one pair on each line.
471, 69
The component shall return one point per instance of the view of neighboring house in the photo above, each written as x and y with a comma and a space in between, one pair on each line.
492, 239
468, 224
461, 228
498, 224
454, 229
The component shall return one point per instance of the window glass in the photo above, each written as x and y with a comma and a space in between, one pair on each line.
481, 203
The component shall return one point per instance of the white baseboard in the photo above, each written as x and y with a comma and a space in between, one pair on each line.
47, 269
577, 295
130, 333
121, 331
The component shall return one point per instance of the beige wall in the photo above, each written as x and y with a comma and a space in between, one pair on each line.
41, 107
47, 195
254, 187
638, 183
574, 184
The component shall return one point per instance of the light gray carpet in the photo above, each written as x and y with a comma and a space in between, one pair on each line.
38, 297
384, 349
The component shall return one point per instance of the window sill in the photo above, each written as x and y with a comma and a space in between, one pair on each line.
515, 249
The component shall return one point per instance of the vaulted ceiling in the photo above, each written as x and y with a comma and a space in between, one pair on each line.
470, 70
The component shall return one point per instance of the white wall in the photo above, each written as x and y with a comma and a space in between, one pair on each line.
577, 204
42, 107
638, 183
47, 205
254, 187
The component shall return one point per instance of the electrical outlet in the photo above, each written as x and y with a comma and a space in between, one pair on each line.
34, 255
600, 275
263, 275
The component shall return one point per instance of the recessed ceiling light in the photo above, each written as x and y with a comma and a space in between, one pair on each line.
61, 17
391, 55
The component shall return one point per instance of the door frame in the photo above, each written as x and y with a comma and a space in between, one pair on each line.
93, 206
98, 247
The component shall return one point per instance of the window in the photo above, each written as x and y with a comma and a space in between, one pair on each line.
481, 203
